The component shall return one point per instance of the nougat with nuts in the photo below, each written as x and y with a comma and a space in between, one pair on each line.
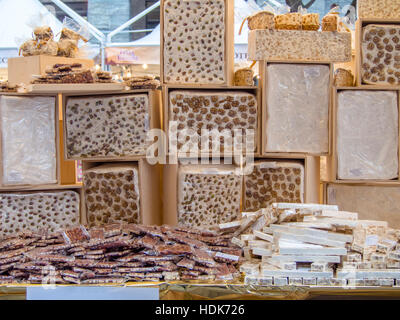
273, 181
112, 194
380, 54
208, 195
211, 110
107, 126
38, 211
378, 9
194, 41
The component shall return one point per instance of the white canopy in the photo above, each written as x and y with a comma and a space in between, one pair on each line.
18, 18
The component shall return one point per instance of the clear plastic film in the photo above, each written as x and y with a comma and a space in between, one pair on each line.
28, 140
112, 194
273, 181
36, 211
42, 37
297, 108
371, 202
367, 135
107, 126
208, 195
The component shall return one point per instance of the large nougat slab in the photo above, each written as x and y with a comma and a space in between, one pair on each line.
367, 135
112, 194
299, 45
297, 108
380, 48
371, 202
38, 211
194, 41
107, 126
208, 195
273, 181
29, 153
378, 9
227, 110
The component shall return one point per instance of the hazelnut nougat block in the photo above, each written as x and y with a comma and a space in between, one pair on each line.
222, 110
208, 195
112, 194
273, 181
298, 98
48, 211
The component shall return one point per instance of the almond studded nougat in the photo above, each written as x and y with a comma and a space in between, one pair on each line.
194, 41
226, 110
273, 181
107, 126
37, 211
112, 194
380, 49
208, 195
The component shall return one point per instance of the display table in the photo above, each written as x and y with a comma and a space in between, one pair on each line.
193, 291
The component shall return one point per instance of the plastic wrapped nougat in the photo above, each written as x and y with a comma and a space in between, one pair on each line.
48, 211
28, 134
273, 181
297, 108
367, 135
370, 202
112, 194
208, 195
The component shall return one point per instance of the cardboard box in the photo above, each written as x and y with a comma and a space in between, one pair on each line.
205, 90
64, 209
296, 134
391, 62
31, 163
149, 189
176, 188
372, 201
21, 69
176, 29
170, 185
332, 161
100, 124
